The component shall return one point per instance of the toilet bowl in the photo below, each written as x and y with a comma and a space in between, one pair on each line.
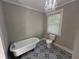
50, 40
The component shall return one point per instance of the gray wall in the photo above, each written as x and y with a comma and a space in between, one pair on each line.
68, 26
76, 44
3, 33
22, 23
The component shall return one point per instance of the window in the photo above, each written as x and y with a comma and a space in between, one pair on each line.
54, 23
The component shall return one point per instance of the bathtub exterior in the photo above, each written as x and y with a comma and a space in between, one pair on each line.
23, 46
23, 50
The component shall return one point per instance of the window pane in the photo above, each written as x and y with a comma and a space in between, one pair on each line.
54, 23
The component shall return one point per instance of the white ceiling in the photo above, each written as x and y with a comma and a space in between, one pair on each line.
35, 4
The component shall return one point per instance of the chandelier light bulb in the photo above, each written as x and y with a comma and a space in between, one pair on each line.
50, 5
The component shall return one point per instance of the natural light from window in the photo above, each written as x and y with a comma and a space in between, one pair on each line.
54, 24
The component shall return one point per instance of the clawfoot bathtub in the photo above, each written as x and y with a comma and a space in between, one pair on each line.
20, 47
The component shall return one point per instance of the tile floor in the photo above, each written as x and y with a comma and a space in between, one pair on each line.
42, 52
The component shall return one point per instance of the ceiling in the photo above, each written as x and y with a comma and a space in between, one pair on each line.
36, 4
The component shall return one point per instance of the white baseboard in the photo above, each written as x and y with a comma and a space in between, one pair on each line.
64, 48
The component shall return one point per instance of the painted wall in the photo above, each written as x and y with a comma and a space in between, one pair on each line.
22, 23
3, 34
68, 26
76, 44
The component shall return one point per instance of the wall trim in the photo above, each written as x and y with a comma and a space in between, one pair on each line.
22, 5
64, 48
66, 3
26, 6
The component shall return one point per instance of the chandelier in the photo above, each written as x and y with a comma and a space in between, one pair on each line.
50, 5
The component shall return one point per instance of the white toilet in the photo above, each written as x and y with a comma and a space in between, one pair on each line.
49, 41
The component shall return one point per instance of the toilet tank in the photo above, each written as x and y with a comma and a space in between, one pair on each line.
52, 36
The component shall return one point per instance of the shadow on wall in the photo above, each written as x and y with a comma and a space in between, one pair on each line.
22, 23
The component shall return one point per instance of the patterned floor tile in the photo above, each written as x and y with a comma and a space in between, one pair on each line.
42, 52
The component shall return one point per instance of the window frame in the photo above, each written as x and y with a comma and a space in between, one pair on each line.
60, 11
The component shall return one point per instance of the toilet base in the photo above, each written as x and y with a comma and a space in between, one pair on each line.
49, 42
48, 45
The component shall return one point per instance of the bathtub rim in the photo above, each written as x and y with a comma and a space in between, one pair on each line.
15, 50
